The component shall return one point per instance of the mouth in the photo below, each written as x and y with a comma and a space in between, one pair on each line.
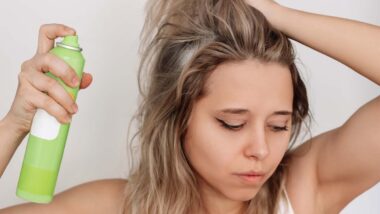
251, 176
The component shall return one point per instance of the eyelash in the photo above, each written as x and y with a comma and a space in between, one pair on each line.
236, 128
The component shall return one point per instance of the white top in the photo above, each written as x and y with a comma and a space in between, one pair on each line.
285, 207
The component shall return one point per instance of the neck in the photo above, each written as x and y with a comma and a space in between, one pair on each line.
215, 202
225, 209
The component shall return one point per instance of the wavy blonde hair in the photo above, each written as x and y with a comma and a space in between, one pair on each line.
182, 42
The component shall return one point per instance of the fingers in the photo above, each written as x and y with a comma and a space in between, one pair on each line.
37, 90
43, 83
47, 84
58, 67
43, 101
32, 73
86, 80
48, 33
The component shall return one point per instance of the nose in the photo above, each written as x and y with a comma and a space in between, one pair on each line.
256, 145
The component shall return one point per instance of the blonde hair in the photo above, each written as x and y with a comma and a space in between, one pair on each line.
183, 41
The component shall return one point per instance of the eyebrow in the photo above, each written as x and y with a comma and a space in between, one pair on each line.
245, 111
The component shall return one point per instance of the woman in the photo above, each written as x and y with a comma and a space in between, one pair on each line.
222, 102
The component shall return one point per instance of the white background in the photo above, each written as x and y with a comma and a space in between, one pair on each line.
108, 32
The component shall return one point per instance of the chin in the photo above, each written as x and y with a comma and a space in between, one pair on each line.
240, 194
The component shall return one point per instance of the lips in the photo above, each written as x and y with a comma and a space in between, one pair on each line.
251, 176
251, 173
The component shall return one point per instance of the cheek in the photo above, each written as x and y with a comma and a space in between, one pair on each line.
278, 147
206, 149
278, 152
212, 157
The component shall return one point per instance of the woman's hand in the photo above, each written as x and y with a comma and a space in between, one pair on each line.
32, 83
268, 8
261, 5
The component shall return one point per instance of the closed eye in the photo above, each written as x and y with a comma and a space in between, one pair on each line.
279, 128
228, 126
237, 127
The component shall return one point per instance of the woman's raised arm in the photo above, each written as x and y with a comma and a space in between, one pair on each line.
353, 43
346, 160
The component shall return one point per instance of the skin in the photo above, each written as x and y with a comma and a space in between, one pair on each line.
353, 147
217, 153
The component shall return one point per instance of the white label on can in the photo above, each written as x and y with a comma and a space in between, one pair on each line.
44, 125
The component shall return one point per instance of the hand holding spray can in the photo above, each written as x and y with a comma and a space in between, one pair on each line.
48, 137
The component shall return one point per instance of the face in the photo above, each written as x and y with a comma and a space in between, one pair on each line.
242, 124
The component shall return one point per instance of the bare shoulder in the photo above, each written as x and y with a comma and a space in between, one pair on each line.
99, 196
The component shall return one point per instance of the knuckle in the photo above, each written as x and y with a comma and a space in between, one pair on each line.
25, 65
21, 76
24, 91
43, 28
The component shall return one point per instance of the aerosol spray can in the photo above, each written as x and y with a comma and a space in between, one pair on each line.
47, 137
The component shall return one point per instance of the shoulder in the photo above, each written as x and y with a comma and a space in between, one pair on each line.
98, 196
111, 187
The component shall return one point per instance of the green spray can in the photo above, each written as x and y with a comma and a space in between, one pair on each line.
47, 137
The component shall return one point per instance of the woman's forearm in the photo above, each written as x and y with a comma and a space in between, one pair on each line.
353, 43
10, 139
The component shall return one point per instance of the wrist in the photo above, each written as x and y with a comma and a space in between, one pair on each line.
10, 139
7, 124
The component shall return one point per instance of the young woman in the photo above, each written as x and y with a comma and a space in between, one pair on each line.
222, 102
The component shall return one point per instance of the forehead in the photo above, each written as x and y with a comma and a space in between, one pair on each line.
251, 84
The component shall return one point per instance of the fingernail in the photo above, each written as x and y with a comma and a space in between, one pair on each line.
69, 30
75, 81
75, 108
